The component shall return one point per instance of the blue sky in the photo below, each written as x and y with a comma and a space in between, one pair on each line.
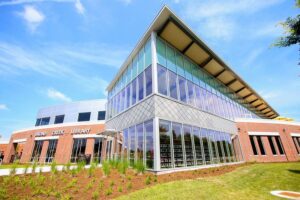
56, 51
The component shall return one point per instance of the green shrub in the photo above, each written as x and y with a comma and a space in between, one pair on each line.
80, 165
155, 179
122, 167
34, 165
68, 166
129, 186
3, 193
53, 167
74, 172
108, 192
148, 180
26, 167
112, 183
101, 184
91, 170
13, 169
140, 167
106, 168
120, 189
95, 195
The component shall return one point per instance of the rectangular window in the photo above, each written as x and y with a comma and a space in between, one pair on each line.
148, 76
220, 146
78, 151
123, 99
38, 145
165, 144
45, 121
125, 144
253, 145
260, 145
141, 86
97, 150
148, 58
133, 98
128, 96
82, 117
214, 147
198, 97
38, 122
190, 87
296, 141
162, 79
189, 156
132, 148
279, 145
101, 115
149, 146
140, 141
270, 139
59, 119
51, 151
173, 84
198, 146
206, 146
161, 52
182, 88
171, 64
177, 145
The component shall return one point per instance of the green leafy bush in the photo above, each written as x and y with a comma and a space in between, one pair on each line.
148, 180
129, 186
13, 169
106, 168
95, 195
123, 166
68, 166
108, 191
139, 166
53, 167
91, 170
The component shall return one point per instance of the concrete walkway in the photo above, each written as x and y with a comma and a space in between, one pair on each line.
19, 171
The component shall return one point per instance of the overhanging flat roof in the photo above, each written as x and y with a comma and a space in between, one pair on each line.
169, 27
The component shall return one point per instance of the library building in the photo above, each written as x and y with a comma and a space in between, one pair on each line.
174, 103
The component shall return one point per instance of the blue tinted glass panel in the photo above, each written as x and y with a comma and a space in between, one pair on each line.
148, 75
182, 88
173, 84
162, 80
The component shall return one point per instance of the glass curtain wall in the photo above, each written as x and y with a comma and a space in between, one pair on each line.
134, 84
181, 79
97, 150
185, 145
139, 144
78, 151
51, 151
38, 145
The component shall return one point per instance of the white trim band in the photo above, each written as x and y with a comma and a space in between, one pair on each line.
295, 134
47, 138
88, 136
20, 140
264, 133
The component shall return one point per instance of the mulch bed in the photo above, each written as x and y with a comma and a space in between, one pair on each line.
64, 186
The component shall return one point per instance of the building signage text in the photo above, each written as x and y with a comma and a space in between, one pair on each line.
80, 131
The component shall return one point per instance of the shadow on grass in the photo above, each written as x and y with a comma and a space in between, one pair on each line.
294, 171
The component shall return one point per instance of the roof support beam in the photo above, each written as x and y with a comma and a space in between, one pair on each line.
221, 72
253, 101
237, 91
205, 62
230, 82
267, 113
163, 27
187, 47
245, 97
263, 109
259, 105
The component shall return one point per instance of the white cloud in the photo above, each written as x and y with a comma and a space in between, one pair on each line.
32, 16
17, 2
63, 61
79, 7
3, 107
57, 95
220, 19
126, 2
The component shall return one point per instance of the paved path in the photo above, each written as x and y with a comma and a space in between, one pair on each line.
5, 172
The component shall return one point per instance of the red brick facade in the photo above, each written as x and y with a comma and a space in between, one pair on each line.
23, 141
265, 129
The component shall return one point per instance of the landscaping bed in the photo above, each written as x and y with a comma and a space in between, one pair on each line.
92, 184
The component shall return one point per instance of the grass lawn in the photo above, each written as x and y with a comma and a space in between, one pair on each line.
249, 182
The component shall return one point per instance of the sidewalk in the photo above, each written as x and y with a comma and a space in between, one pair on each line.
19, 171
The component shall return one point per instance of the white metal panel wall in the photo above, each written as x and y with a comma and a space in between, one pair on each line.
71, 110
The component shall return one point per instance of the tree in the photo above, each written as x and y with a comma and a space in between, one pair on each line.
292, 28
